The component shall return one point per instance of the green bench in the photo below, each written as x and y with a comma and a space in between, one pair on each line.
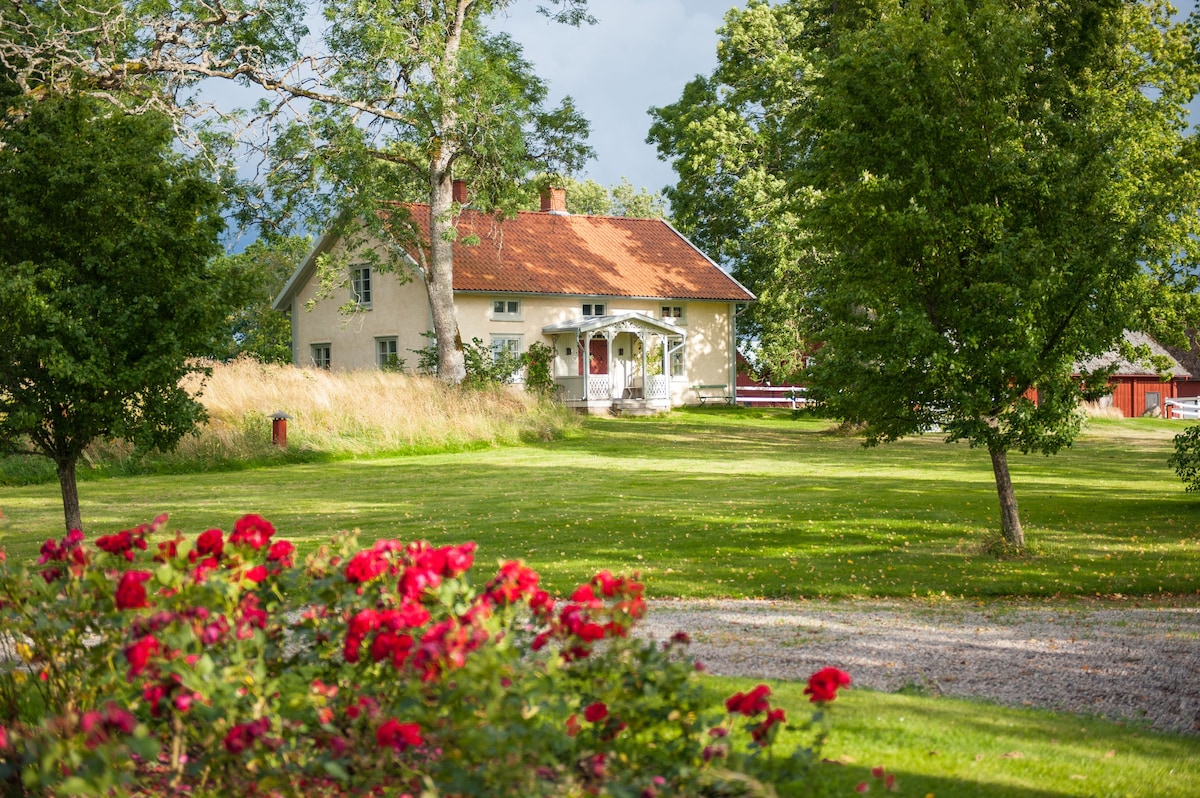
714, 393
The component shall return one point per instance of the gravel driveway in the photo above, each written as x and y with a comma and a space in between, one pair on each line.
1126, 663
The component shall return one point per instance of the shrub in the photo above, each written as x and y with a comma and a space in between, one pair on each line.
1186, 459
148, 664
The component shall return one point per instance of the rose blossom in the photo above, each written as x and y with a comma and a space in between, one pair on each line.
131, 590
252, 530
823, 685
396, 735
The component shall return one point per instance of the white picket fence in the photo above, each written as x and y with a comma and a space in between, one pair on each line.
774, 395
1188, 409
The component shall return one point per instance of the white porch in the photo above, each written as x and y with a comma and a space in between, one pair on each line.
617, 364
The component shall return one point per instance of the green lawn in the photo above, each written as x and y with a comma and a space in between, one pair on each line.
952, 748
718, 503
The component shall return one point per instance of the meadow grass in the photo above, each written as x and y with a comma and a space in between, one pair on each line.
334, 416
733, 502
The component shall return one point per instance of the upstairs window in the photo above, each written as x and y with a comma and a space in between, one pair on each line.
506, 309
673, 314
593, 309
360, 286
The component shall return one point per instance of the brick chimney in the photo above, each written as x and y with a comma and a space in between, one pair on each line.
554, 200
460, 192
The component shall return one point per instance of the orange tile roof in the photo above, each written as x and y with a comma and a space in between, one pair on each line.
544, 253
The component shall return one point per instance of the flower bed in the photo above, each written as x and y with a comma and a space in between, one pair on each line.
146, 663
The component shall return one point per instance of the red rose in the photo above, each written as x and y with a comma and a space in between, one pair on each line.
256, 574
208, 544
823, 685
397, 735
131, 590
748, 704
595, 712
139, 654
281, 552
252, 530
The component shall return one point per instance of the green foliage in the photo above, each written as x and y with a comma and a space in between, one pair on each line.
539, 369
590, 198
256, 329
427, 356
488, 367
1186, 457
221, 667
107, 287
975, 197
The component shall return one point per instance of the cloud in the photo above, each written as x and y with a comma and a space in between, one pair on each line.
640, 54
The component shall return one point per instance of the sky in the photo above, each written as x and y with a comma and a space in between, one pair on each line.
640, 54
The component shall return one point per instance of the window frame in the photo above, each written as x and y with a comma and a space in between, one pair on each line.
508, 313
317, 360
506, 338
673, 314
587, 308
380, 356
360, 286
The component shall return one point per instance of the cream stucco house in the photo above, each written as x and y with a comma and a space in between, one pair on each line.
653, 314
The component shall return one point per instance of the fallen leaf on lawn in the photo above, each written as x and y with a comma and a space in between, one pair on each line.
1109, 754
979, 757
1012, 755
1077, 776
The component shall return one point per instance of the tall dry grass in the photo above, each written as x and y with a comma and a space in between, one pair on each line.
333, 415
362, 412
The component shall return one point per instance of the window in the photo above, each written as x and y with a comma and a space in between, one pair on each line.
595, 309
360, 286
320, 356
677, 362
505, 345
386, 355
673, 314
506, 309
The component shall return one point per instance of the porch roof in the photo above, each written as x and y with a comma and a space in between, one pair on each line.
623, 322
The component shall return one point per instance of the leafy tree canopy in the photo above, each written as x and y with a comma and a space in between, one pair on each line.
962, 201
106, 288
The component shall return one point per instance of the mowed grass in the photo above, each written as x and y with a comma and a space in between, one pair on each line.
718, 503
953, 748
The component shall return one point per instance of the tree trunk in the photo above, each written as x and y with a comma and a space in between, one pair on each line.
440, 280
70, 494
1010, 518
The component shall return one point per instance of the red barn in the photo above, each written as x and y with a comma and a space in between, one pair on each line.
1138, 390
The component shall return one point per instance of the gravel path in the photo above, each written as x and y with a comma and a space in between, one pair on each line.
1124, 663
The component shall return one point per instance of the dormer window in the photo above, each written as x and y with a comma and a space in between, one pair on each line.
593, 309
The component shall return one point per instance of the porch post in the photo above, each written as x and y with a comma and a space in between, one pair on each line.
612, 383
585, 360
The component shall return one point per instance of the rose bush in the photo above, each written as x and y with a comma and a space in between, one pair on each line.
150, 664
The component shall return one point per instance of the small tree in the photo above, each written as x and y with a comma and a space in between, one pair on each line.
106, 294
1186, 459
